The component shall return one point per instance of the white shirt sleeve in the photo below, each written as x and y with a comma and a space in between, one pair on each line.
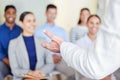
103, 58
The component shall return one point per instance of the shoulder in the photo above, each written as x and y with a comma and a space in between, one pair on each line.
3, 30
81, 40
75, 28
18, 27
39, 32
1, 27
60, 29
15, 41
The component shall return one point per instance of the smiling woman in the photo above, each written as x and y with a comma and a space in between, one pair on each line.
25, 52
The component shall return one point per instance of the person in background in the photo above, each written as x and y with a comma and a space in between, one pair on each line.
80, 30
8, 31
26, 55
60, 65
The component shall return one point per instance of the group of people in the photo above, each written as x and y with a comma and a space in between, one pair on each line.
21, 51
20, 45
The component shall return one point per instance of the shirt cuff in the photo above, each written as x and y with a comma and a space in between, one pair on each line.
63, 47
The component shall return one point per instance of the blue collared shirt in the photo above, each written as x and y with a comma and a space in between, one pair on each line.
5, 36
54, 29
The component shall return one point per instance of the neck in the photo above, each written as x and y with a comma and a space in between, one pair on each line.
27, 34
10, 25
83, 24
92, 37
51, 23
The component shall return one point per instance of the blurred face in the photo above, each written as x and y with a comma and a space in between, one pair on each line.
10, 15
51, 14
93, 25
84, 16
29, 24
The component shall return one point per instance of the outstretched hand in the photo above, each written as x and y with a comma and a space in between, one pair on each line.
55, 43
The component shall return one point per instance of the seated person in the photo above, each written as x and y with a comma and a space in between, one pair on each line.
8, 31
93, 24
26, 54
81, 29
60, 65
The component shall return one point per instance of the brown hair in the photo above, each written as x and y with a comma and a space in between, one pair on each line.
22, 16
50, 6
79, 22
94, 16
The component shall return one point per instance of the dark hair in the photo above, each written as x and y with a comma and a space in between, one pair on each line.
94, 16
10, 6
22, 16
79, 22
50, 6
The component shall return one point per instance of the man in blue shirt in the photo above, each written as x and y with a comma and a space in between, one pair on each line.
8, 30
60, 65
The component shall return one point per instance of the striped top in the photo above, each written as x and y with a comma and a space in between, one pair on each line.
77, 32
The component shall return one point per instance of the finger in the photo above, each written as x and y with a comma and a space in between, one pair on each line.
57, 39
48, 46
44, 44
54, 38
42, 73
35, 75
49, 34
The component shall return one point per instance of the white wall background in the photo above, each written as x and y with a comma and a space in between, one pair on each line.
68, 10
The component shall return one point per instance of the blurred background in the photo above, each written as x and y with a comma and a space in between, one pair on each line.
68, 10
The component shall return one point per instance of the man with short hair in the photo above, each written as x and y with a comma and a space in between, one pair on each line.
60, 65
8, 30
